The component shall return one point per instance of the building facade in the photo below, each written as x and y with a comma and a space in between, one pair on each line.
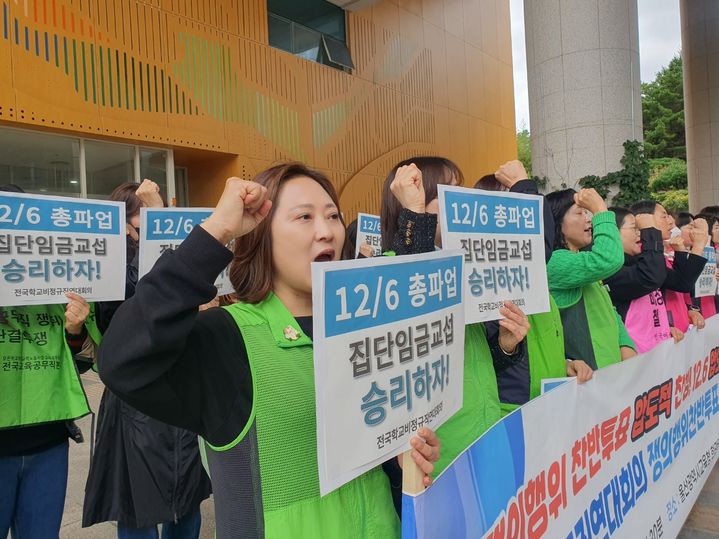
189, 92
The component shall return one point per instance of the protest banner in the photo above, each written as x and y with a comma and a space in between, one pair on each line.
163, 229
623, 455
388, 352
52, 245
368, 233
706, 284
502, 237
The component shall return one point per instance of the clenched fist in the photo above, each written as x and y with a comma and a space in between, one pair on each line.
242, 206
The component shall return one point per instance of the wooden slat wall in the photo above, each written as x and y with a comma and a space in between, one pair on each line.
431, 77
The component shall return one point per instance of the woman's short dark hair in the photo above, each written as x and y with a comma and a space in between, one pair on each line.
711, 210
684, 218
251, 270
644, 206
435, 171
559, 203
350, 246
11, 188
620, 214
489, 183
126, 193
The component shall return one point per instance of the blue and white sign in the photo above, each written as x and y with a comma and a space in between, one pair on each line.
164, 229
53, 245
502, 237
389, 356
368, 233
706, 284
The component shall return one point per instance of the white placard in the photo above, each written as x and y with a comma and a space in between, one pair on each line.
706, 284
51, 245
388, 338
502, 237
163, 229
368, 233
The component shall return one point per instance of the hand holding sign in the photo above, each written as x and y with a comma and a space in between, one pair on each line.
513, 328
425, 452
580, 369
76, 313
242, 206
407, 186
590, 200
696, 319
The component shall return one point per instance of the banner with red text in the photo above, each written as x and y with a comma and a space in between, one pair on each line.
624, 455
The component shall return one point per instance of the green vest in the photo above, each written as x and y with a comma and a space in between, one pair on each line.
480, 400
545, 348
603, 327
39, 382
283, 428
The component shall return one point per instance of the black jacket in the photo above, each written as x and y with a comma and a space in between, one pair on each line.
143, 471
641, 274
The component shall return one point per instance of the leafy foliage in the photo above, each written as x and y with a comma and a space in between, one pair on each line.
676, 200
667, 174
632, 180
524, 150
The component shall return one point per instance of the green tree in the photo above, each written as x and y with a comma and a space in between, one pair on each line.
676, 200
524, 150
667, 174
663, 113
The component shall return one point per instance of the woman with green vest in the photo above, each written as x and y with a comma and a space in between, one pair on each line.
409, 224
40, 393
520, 382
242, 376
593, 331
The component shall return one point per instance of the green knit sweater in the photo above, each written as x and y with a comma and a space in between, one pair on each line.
569, 271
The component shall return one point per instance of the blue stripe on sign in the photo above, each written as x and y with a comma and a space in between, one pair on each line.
366, 297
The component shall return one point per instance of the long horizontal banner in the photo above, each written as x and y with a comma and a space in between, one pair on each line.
624, 455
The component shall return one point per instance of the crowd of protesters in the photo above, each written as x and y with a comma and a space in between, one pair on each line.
189, 382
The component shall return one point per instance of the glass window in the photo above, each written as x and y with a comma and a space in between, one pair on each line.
335, 52
302, 28
153, 166
40, 163
318, 15
108, 165
280, 33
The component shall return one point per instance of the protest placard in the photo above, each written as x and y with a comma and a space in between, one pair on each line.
388, 338
52, 245
706, 284
623, 455
163, 229
368, 233
502, 237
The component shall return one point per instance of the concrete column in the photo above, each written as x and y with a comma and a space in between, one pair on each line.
700, 55
584, 86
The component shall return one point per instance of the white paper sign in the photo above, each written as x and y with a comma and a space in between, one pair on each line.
163, 229
368, 233
389, 356
706, 284
502, 237
51, 245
